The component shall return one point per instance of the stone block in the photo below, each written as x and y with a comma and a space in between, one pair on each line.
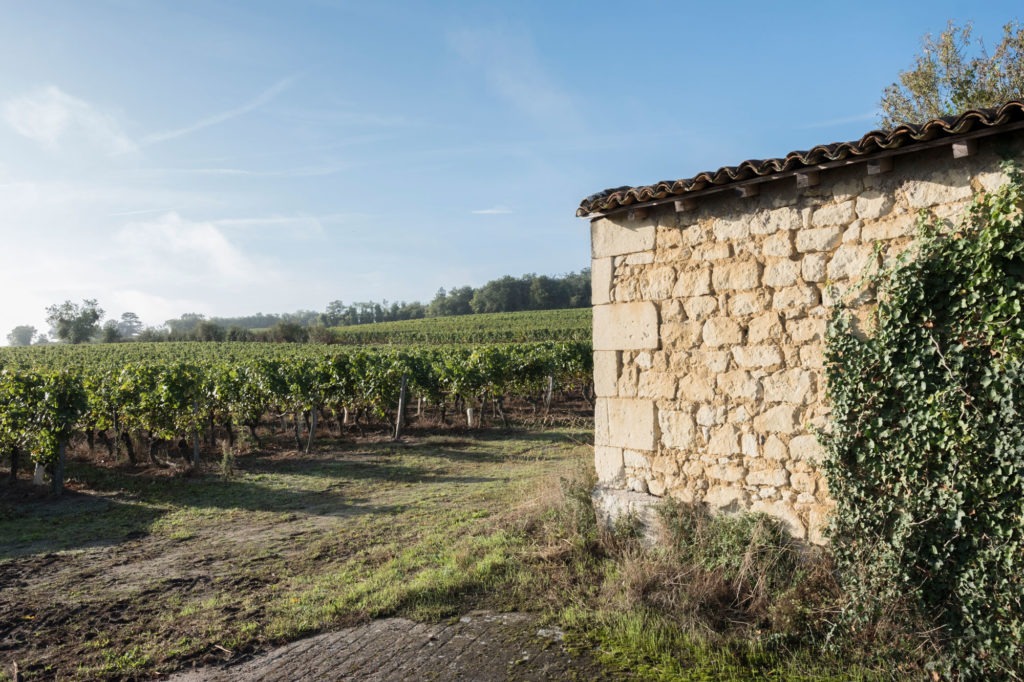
842, 213
766, 327
726, 499
722, 331
739, 385
693, 283
794, 386
606, 373
736, 276
774, 448
635, 459
821, 239
726, 230
609, 463
696, 388
943, 188
631, 423
812, 268
783, 512
618, 237
724, 441
633, 259
806, 329
700, 307
889, 229
777, 478
711, 415
712, 252
714, 361
601, 277
750, 445
781, 273
801, 296
851, 261
681, 335
873, 204
657, 383
779, 245
658, 283
762, 356
803, 483
778, 419
626, 326
749, 303
677, 429
773, 220
806, 448
612, 504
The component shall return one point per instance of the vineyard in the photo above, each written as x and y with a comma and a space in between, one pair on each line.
166, 398
572, 324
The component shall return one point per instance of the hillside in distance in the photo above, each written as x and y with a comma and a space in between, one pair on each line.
572, 324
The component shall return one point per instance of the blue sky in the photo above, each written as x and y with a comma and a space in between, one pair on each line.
227, 158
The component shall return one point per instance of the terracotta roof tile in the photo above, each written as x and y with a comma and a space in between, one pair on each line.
873, 143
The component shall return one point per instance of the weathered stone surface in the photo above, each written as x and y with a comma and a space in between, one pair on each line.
774, 477
711, 415
800, 296
722, 331
677, 429
601, 273
614, 238
611, 505
727, 230
749, 303
606, 373
806, 448
778, 419
658, 283
726, 499
739, 385
724, 440
803, 483
635, 423
943, 188
635, 459
693, 283
700, 307
681, 335
766, 327
625, 326
822, 239
656, 384
774, 448
786, 514
712, 252
874, 204
813, 267
764, 356
696, 388
609, 463
850, 261
833, 214
779, 245
781, 273
736, 276
789, 386
771, 221
806, 329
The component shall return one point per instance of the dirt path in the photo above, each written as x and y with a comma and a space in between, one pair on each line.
481, 646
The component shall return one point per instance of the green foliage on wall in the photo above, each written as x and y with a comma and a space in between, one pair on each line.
926, 446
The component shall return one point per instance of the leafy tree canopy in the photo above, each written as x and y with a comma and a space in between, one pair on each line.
21, 335
74, 323
954, 73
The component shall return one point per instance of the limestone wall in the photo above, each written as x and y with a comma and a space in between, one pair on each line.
709, 326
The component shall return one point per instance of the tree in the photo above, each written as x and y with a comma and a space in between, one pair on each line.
73, 323
947, 78
129, 326
21, 335
111, 332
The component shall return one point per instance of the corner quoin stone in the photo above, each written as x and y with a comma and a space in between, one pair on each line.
635, 424
626, 326
609, 238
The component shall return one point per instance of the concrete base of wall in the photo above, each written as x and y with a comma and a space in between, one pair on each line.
614, 506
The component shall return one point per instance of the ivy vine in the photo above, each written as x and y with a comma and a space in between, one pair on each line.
925, 452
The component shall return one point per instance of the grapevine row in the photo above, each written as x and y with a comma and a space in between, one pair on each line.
166, 394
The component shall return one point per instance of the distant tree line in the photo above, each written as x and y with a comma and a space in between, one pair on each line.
74, 323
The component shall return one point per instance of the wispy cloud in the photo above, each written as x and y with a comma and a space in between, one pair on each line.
514, 71
260, 100
496, 210
831, 123
50, 116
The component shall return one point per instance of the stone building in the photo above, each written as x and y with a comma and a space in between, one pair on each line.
711, 296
